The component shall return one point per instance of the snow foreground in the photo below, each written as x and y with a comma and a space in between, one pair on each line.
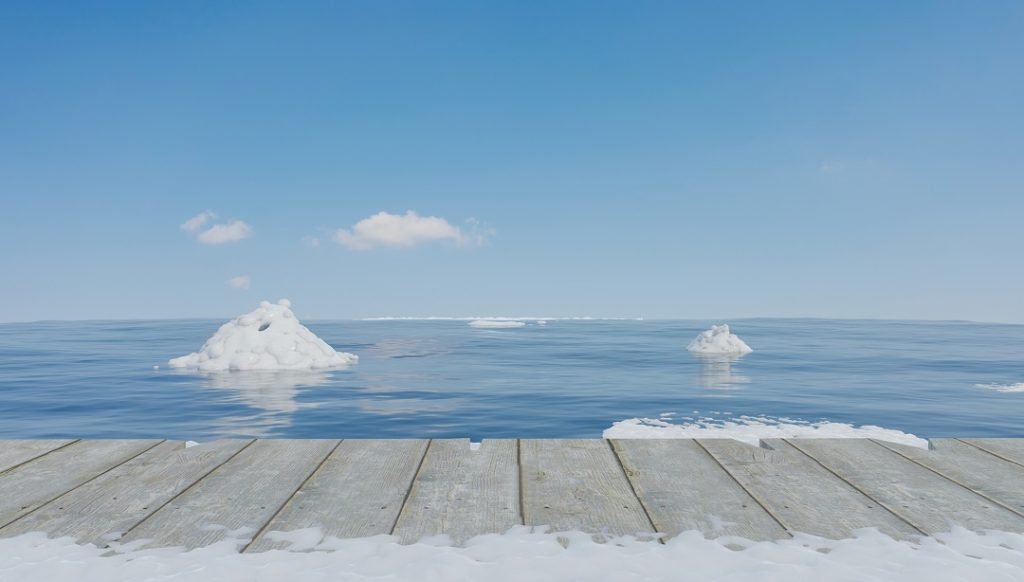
267, 338
752, 429
522, 554
1002, 387
718, 340
496, 323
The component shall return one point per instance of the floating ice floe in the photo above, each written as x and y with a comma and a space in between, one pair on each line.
496, 323
752, 429
1019, 387
268, 338
718, 340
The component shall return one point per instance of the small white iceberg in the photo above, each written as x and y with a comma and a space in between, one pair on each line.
268, 338
495, 323
718, 340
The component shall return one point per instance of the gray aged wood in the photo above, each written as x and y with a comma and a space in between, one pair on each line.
463, 493
578, 485
984, 473
236, 499
14, 453
357, 492
801, 494
684, 488
32, 484
102, 509
1009, 449
161, 491
928, 501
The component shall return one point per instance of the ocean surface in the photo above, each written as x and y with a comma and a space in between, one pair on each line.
568, 378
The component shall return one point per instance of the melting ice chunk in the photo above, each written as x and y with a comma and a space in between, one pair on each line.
718, 340
267, 338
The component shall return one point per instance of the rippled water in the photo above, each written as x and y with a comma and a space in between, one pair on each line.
566, 378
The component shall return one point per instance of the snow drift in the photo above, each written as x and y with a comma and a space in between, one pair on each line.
536, 556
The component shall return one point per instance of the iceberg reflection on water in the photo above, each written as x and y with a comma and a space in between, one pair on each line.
273, 393
716, 371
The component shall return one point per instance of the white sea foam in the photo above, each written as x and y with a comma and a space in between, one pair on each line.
496, 323
536, 556
1019, 387
751, 429
718, 340
268, 338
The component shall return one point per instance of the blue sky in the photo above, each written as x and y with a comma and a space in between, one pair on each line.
656, 159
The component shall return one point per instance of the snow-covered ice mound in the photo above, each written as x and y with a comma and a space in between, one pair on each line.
718, 340
495, 323
751, 429
268, 338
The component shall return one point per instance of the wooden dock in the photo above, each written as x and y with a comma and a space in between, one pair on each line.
102, 490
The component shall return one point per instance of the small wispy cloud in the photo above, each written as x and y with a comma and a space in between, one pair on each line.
240, 282
196, 222
311, 241
219, 234
408, 230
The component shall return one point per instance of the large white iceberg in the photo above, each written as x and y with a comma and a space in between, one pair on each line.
268, 338
718, 340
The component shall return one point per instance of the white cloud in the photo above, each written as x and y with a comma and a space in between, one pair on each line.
196, 222
240, 282
407, 230
219, 234
311, 241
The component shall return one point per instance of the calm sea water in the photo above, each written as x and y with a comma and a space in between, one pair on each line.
563, 379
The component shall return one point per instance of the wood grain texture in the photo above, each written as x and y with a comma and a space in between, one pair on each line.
357, 492
238, 498
929, 501
462, 493
16, 452
578, 485
1009, 449
801, 494
684, 488
102, 509
978, 470
39, 481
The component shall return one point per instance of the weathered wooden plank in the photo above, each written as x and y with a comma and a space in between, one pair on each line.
978, 470
35, 483
923, 498
1009, 449
463, 493
237, 498
357, 492
102, 509
684, 488
16, 452
801, 494
578, 485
